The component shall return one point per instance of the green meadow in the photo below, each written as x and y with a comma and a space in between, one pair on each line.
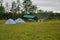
49, 30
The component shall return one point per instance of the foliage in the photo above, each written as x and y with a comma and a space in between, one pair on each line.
10, 15
2, 9
28, 7
13, 9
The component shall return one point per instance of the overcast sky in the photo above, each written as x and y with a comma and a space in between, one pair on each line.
53, 5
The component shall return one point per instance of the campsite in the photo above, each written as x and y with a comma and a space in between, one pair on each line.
30, 31
29, 20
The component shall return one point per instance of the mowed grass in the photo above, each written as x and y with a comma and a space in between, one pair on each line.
49, 30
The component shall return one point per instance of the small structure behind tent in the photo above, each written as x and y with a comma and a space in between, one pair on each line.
30, 18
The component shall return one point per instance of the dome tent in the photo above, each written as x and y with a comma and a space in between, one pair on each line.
19, 20
10, 21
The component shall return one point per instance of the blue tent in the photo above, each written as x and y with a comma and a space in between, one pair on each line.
19, 21
10, 21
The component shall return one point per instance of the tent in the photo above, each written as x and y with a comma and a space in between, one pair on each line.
19, 20
10, 21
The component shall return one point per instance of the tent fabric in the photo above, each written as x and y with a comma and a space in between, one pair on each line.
29, 16
19, 21
10, 21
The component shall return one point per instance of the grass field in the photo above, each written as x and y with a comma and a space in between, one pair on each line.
49, 30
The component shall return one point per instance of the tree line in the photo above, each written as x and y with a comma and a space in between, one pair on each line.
19, 9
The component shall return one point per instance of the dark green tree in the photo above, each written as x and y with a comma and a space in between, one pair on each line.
1, 1
2, 9
7, 8
13, 8
40, 11
32, 10
29, 7
18, 6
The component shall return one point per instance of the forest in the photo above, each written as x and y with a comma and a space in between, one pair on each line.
19, 9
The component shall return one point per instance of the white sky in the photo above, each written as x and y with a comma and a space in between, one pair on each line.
53, 5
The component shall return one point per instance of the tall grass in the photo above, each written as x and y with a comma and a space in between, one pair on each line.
49, 30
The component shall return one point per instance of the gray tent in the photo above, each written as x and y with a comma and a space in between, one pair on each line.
19, 20
10, 21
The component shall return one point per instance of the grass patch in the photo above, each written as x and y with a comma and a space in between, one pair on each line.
49, 30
